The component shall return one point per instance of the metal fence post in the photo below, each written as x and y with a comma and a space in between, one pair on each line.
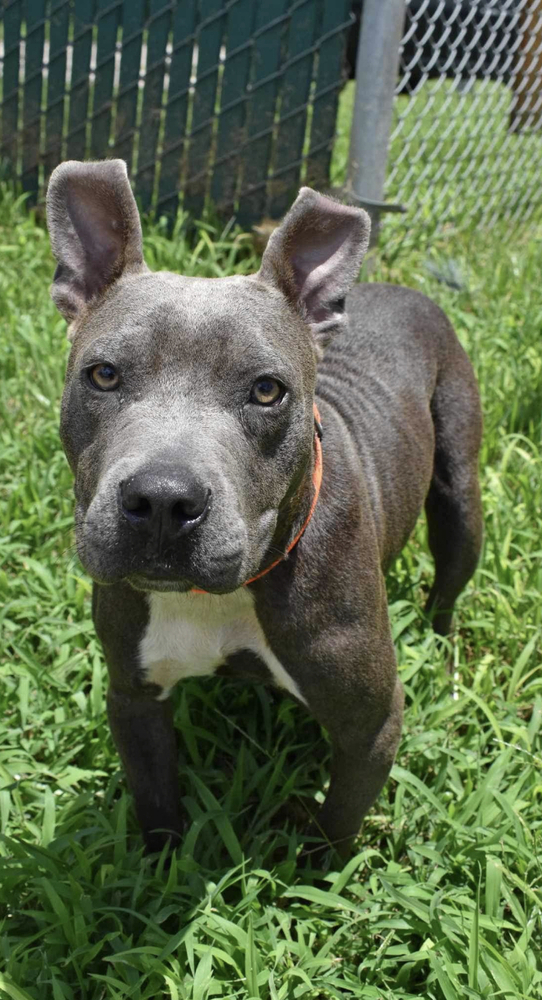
377, 65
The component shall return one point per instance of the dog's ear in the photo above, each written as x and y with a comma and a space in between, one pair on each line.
95, 231
314, 257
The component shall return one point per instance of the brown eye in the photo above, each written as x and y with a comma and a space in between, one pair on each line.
266, 391
104, 377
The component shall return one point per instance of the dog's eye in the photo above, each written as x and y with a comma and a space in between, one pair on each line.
266, 391
104, 377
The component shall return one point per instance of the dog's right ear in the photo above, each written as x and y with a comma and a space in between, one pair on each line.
95, 231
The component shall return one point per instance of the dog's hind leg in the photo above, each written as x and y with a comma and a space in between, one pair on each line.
453, 507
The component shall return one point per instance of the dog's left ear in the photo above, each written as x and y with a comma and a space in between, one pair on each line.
314, 257
95, 231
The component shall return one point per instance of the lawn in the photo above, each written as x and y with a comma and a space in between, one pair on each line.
443, 896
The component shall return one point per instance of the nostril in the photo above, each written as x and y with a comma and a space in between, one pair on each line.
134, 502
138, 507
180, 514
187, 510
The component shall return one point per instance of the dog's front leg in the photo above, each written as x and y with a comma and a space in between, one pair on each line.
143, 731
142, 725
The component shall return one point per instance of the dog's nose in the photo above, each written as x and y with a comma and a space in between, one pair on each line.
173, 503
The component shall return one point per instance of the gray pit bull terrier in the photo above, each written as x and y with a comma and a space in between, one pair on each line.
188, 420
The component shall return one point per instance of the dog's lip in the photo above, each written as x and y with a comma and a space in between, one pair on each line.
159, 578
165, 584
149, 585
165, 580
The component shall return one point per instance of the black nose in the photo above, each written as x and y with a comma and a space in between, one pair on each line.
169, 502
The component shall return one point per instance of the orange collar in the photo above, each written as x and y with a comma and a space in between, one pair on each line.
316, 482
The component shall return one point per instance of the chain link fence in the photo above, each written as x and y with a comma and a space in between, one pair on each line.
235, 102
462, 112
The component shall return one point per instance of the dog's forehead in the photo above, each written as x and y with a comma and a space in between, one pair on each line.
169, 307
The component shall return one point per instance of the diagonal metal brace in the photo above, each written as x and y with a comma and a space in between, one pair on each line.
347, 195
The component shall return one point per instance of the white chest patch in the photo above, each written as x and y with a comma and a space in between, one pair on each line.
190, 635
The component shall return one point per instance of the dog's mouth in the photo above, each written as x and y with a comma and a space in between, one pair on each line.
163, 584
165, 577
149, 584
217, 559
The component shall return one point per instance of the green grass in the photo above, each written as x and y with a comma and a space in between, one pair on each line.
442, 898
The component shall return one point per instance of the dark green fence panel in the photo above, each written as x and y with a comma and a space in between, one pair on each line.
262, 106
201, 132
133, 19
159, 25
33, 82
107, 15
231, 102
80, 79
56, 84
184, 26
10, 85
326, 96
295, 86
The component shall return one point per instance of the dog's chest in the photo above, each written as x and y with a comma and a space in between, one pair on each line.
192, 634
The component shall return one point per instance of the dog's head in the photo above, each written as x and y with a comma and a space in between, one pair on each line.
187, 415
